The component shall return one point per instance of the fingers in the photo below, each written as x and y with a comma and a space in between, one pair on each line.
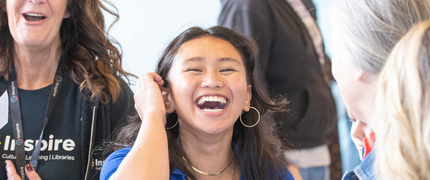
148, 95
148, 79
158, 79
31, 173
153, 77
13, 175
11, 171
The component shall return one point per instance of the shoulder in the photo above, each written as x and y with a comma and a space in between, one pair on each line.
121, 82
125, 88
366, 169
349, 175
118, 154
125, 101
112, 162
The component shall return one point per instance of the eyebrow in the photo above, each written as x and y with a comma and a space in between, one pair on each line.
199, 59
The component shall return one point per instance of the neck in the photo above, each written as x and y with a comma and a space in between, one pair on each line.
208, 154
35, 69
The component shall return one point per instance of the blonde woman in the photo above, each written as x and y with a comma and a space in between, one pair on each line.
403, 103
365, 32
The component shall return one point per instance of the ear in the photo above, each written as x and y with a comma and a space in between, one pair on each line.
248, 98
359, 74
168, 101
66, 15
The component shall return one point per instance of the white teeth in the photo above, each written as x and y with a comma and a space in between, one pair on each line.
34, 15
212, 110
204, 99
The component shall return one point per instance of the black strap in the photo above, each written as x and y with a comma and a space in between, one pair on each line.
15, 112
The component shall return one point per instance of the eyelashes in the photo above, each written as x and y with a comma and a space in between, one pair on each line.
228, 70
198, 70
194, 70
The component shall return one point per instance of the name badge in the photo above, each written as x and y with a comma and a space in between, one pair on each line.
4, 109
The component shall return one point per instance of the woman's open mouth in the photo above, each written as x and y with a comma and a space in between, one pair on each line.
33, 17
212, 103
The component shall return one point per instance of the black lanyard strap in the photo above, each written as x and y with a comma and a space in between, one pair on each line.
15, 112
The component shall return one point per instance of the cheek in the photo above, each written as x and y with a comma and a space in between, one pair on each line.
345, 83
239, 86
10, 15
183, 89
353, 129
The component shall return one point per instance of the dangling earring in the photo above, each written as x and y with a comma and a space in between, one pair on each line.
176, 117
249, 126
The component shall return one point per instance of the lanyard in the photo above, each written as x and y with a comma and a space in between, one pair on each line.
15, 112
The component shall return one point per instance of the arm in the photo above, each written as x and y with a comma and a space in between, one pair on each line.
148, 158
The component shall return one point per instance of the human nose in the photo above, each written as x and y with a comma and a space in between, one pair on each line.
358, 130
37, 1
212, 80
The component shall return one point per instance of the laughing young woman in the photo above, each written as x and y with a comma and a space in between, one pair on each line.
218, 123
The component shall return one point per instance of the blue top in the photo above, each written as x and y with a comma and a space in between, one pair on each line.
114, 160
364, 171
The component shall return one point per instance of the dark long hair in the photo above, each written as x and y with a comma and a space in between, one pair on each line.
89, 55
258, 148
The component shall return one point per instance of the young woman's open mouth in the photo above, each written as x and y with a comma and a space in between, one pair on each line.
212, 103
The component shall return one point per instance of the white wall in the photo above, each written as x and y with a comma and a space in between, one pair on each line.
147, 26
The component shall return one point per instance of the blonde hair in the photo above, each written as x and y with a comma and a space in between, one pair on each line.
367, 30
402, 124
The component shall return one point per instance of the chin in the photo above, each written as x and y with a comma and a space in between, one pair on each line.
35, 40
32, 43
214, 130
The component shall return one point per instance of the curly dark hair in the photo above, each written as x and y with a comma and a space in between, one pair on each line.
258, 148
90, 57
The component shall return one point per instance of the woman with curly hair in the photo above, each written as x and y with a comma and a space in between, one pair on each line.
218, 124
60, 88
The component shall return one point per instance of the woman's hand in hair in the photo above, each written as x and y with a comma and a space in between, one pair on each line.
149, 97
149, 156
13, 175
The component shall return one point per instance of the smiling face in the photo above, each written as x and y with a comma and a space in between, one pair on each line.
359, 129
35, 23
208, 85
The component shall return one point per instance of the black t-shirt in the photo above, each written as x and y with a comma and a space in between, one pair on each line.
60, 156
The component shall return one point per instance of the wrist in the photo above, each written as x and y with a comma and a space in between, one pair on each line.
155, 115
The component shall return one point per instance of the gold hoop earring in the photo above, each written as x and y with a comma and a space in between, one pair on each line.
250, 126
175, 116
177, 121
